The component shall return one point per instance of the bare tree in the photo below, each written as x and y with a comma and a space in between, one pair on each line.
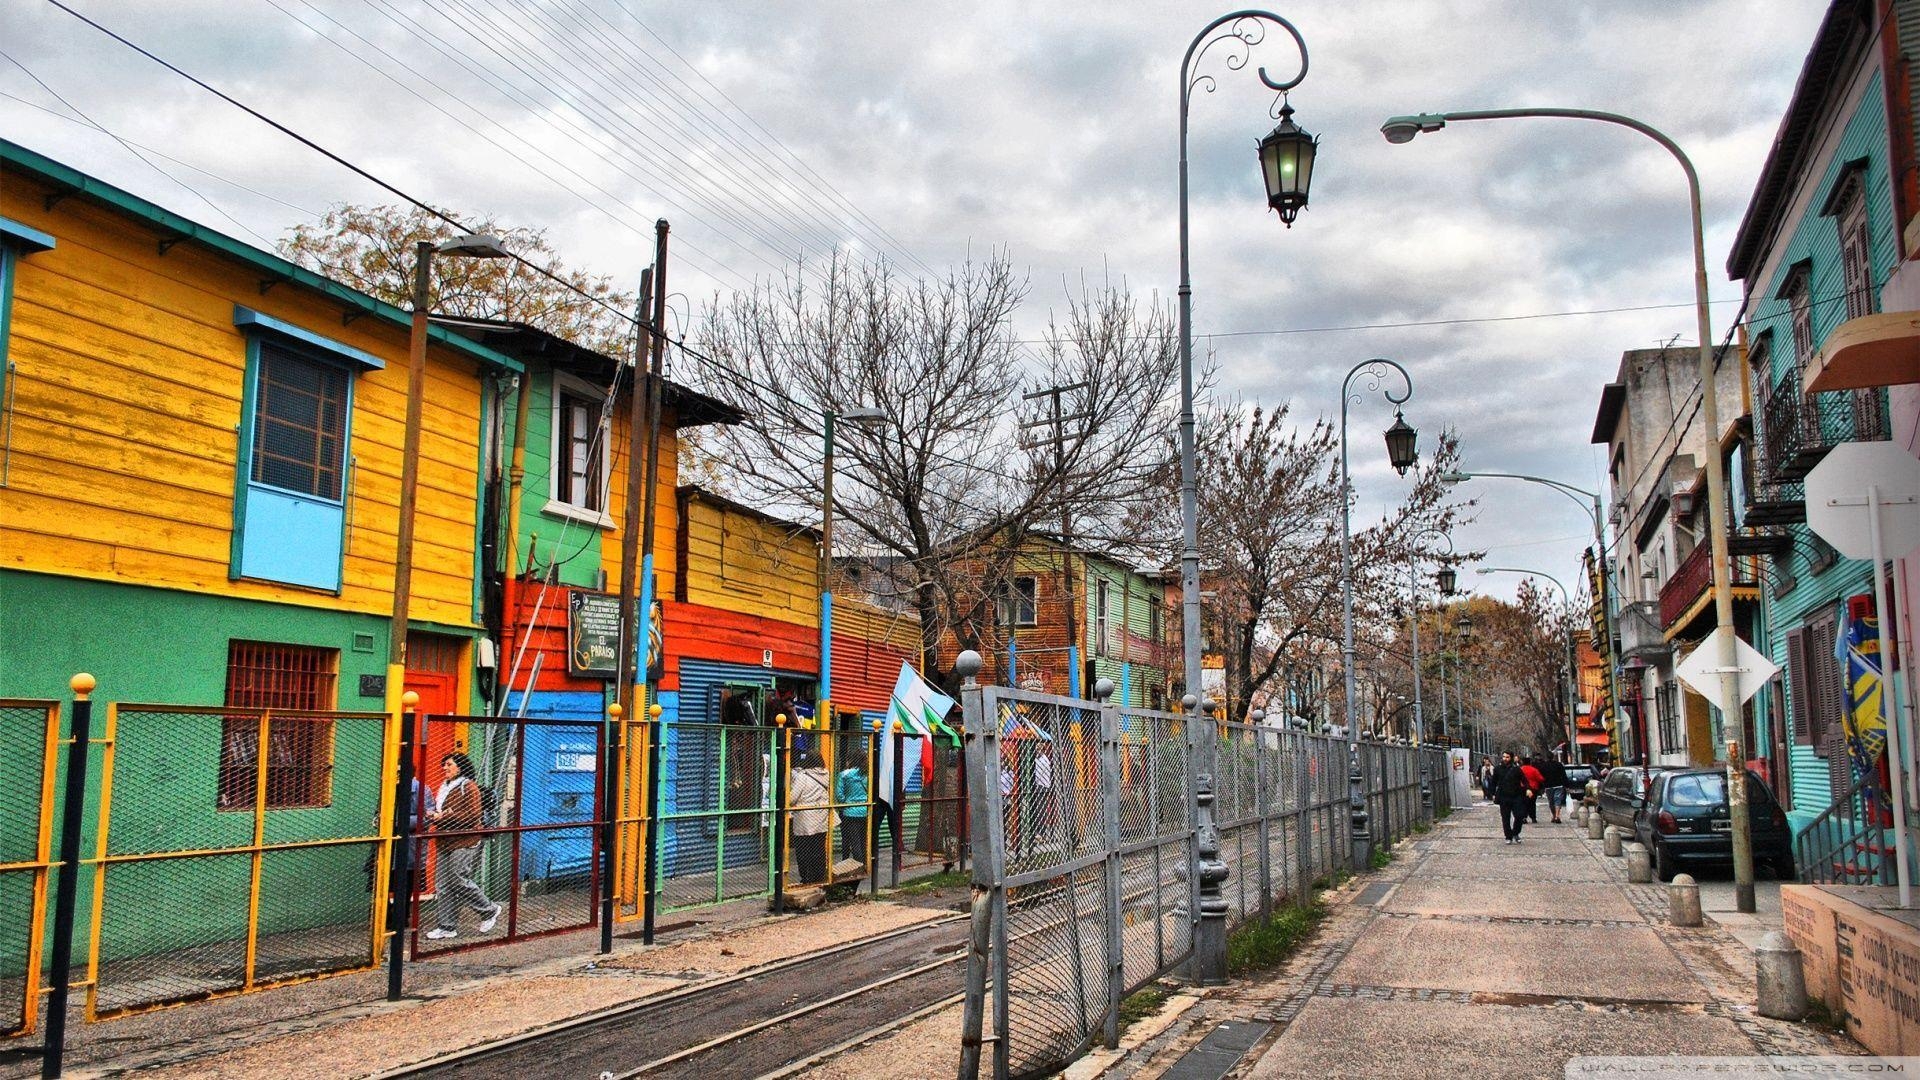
1270, 524
949, 486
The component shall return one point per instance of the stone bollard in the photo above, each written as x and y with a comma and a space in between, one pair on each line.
1639, 864
1580, 814
1781, 990
1683, 901
1596, 825
1614, 836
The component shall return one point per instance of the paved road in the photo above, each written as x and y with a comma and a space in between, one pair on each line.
1490, 960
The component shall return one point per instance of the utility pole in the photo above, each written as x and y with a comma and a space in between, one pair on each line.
1058, 420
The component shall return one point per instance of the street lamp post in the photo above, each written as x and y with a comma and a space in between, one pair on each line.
1413, 600
823, 694
1573, 741
472, 246
1463, 625
1401, 451
1286, 165
1402, 129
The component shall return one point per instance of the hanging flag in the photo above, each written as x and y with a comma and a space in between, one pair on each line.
1018, 725
917, 707
1857, 645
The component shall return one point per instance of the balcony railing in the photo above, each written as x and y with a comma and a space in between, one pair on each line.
1693, 580
1798, 428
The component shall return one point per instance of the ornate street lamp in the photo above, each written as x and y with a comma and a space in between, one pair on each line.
1403, 444
1286, 161
1448, 581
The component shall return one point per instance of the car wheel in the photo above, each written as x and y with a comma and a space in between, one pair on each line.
1663, 867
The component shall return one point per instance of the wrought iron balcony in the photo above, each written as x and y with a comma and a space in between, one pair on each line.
1640, 636
1798, 428
1681, 594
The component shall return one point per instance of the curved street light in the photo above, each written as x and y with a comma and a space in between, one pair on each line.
1402, 129
1286, 159
1446, 582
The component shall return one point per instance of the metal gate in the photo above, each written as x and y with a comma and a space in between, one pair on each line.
234, 849
531, 864
29, 743
715, 817
1081, 843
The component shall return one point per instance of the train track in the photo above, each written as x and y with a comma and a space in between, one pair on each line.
821, 1003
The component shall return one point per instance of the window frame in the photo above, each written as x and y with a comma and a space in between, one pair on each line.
1020, 600
263, 332
561, 387
17, 240
1102, 616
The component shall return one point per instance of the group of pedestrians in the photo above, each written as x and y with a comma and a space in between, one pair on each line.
1517, 783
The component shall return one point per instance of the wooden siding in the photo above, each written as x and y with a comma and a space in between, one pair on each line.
743, 561
127, 403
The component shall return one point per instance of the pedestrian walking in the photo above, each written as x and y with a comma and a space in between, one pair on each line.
1554, 775
1535, 783
458, 815
850, 792
807, 792
1511, 792
1486, 778
1046, 806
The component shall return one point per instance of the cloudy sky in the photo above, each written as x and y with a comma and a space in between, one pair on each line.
1491, 259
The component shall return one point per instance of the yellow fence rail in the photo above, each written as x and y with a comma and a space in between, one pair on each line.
29, 746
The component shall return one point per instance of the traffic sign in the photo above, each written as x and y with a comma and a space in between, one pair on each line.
1701, 671
1837, 498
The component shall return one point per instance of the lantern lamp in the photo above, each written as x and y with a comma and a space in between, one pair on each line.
1286, 162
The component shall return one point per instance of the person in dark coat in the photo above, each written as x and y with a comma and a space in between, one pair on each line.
1486, 778
1554, 775
1511, 792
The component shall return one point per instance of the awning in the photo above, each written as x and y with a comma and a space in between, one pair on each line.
1593, 738
1871, 350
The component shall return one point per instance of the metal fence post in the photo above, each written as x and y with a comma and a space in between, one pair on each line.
896, 810
1303, 820
650, 873
1261, 797
610, 814
1209, 964
980, 754
782, 750
72, 812
1110, 811
873, 808
400, 892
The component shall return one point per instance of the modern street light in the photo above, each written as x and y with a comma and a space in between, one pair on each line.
1588, 501
1286, 166
1573, 740
1402, 451
470, 246
823, 694
1401, 129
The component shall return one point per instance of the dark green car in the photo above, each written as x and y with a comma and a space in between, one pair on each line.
1686, 825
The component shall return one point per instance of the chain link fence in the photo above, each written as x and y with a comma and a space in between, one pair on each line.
234, 849
716, 819
29, 741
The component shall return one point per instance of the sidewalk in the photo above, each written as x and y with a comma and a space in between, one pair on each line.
1471, 957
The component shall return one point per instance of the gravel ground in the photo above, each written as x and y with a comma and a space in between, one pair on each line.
929, 1046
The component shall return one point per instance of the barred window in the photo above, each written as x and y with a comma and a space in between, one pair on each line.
299, 424
267, 675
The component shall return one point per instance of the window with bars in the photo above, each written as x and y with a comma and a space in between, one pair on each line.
299, 764
1666, 705
579, 448
299, 425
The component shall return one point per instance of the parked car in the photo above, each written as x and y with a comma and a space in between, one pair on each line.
1577, 777
1685, 823
1622, 794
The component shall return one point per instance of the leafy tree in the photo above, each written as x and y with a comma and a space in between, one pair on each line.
372, 249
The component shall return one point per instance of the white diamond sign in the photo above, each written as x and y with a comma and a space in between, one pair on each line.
1701, 670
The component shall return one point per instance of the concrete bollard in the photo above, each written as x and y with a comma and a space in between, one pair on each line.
1580, 815
1781, 983
1639, 864
1596, 825
1614, 836
1683, 901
